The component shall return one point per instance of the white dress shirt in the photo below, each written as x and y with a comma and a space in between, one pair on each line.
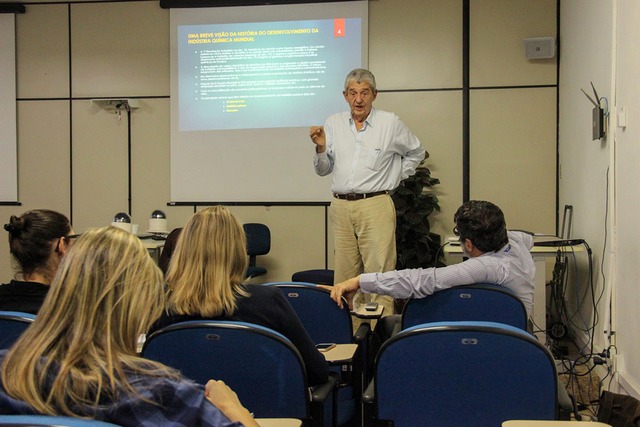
512, 267
375, 158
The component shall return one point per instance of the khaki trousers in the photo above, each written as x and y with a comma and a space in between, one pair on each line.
365, 242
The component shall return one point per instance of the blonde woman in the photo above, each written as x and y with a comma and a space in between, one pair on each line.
38, 239
79, 359
205, 278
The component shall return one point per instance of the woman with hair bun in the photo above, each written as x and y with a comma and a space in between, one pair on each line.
37, 241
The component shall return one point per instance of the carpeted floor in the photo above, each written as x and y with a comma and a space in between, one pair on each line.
584, 385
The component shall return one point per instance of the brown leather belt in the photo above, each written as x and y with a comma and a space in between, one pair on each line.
359, 196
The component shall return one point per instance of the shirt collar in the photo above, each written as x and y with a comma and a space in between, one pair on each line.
506, 248
368, 121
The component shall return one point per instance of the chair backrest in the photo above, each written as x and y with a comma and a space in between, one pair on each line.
258, 243
327, 323
481, 302
12, 325
168, 249
464, 374
317, 276
50, 421
259, 364
258, 239
320, 315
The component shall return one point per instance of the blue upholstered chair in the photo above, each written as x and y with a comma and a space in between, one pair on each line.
480, 302
462, 374
260, 365
316, 276
319, 314
50, 421
12, 325
327, 323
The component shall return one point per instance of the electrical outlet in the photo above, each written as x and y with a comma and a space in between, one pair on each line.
622, 117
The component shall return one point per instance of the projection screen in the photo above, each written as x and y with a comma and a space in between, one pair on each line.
246, 85
8, 126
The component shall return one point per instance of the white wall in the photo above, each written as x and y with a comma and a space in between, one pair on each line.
585, 58
599, 41
627, 176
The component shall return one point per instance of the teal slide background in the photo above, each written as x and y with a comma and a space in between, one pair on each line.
264, 74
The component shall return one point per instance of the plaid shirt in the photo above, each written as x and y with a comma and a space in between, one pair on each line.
178, 403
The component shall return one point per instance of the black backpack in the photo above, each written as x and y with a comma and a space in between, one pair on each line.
619, 410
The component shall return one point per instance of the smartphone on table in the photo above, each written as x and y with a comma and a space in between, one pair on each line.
371, 306
325, 346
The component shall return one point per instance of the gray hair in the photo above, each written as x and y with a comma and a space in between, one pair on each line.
360, 75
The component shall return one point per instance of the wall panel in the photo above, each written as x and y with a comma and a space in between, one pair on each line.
43, 165
436, 118
415, 43
100, 177
497, 31
512, 157
150, 164
42, 37
120, 49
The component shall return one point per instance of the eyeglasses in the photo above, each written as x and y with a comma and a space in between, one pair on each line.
457, 233
69, 237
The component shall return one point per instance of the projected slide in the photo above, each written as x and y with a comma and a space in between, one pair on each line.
264, 74
246, 84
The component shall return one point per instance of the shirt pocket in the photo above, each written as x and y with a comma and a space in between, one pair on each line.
374, 158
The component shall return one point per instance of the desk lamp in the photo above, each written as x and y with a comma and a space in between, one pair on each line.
158, 222
122, 220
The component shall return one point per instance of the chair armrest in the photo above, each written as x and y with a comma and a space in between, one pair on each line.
368, 403
567, 403
319, 395
369, 394
364, 330
397, 328
320, 392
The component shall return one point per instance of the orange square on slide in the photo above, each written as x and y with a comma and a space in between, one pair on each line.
338, 27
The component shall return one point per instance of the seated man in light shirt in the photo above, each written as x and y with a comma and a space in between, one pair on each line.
495, 256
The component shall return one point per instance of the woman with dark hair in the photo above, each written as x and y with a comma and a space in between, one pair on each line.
37, 241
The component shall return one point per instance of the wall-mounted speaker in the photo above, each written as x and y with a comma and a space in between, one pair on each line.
539, 48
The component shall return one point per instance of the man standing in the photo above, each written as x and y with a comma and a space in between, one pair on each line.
369, 152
